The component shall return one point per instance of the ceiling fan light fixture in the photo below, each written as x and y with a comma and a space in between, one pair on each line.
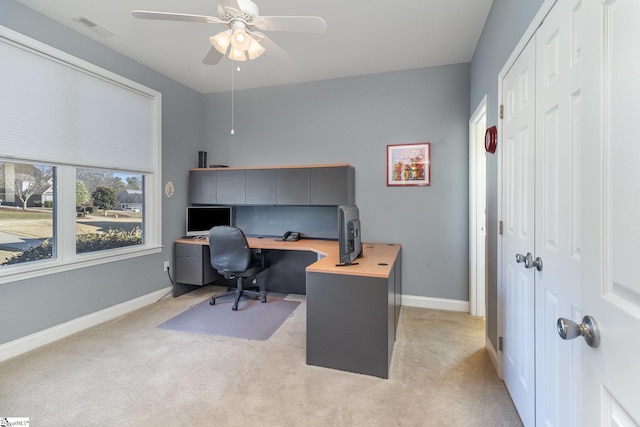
221, 41
240, 39
255, 49
237, 54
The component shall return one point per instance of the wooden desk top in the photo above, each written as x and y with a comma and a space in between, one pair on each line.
377, 259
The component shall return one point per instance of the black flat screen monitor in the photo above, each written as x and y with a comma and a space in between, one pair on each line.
349, 234
201, 219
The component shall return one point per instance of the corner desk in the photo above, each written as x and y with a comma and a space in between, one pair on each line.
352, 311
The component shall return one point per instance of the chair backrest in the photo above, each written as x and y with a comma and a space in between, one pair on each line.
229, 249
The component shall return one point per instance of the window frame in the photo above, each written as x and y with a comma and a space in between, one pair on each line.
64, 217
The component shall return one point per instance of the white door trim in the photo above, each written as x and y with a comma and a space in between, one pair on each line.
477, 211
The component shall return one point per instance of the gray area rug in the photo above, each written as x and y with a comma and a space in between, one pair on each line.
254, 320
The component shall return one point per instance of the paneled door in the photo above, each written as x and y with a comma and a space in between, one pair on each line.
557, 212
541, 211
517, 284
611, 211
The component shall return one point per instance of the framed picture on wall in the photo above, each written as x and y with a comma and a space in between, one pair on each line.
408, 164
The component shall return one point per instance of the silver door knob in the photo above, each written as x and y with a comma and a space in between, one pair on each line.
529, 262
520, 258
537, 263
568, 330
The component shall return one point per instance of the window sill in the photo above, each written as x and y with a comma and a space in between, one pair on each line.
35, 269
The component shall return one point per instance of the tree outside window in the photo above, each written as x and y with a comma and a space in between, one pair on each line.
26, 212
108, 211
107, 219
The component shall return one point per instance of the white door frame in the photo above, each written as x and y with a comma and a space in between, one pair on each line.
477, 211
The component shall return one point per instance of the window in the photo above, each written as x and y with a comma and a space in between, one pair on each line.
26, 212
80, 162
109, 210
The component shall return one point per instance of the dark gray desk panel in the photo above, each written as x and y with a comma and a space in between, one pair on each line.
286, 271
203, 188
313, 221
231, 187
397, 282
332, 186
350, 323
261, 187
293, 186
328, 185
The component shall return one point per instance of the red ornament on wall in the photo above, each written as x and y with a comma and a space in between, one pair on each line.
491, 140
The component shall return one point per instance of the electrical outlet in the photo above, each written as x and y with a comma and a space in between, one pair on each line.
166, 265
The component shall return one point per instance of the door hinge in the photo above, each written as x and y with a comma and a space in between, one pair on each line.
502, 111
500, 343
500, 227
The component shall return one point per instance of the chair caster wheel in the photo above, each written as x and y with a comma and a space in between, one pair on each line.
212, 302
234, 308
264, 300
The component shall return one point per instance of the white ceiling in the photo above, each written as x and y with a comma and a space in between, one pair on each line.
363, 37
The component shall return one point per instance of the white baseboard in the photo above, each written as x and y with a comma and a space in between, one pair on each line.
30, 342
435, 303
493, 355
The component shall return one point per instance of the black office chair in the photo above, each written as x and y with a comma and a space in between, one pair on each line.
231, 257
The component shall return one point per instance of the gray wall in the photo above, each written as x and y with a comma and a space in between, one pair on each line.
505, 25
336, 121
351, 120
30, 306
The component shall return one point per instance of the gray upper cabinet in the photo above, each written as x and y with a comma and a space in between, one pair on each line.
261, 187
231, 187
293, 186
203, 188
332, 186
323, 185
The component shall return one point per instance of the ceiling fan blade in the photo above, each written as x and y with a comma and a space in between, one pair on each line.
233, 4
275, 52
296, 24
167, 16
212, 57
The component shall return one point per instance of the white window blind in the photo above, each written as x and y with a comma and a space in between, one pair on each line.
56, 108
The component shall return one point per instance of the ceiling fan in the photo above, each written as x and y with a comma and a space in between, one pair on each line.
242, 40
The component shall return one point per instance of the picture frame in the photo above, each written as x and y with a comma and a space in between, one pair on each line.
409, 164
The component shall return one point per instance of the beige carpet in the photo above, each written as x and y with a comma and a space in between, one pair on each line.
128, 372
254, 319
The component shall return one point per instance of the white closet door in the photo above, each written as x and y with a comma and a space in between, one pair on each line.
517, 288
587, 205
541, 191
557, 212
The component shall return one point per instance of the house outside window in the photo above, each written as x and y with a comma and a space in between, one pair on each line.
108, 210
104, 220
26, 212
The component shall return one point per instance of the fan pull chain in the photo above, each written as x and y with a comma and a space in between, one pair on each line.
232, 106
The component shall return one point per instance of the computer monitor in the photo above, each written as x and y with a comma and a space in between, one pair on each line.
349, 234
201, 219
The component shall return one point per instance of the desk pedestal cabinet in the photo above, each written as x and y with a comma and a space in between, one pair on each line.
192, 267
352, 320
